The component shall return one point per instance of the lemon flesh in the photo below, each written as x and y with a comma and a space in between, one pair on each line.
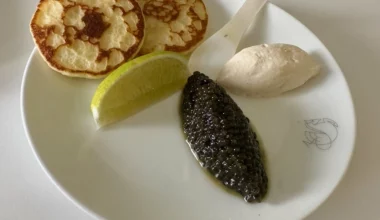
137, 85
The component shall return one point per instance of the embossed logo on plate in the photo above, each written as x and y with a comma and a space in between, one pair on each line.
321, 133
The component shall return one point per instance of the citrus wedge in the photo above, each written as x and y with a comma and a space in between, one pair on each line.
137, 85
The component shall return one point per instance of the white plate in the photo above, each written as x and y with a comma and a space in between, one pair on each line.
141, 168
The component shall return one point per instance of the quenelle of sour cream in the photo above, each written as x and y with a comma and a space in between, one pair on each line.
267, 70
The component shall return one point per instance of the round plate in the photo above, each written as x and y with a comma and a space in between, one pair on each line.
141, 168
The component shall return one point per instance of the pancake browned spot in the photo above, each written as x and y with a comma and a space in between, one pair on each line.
173, 25
88, 38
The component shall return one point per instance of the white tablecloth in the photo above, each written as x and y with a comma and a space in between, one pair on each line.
349, 28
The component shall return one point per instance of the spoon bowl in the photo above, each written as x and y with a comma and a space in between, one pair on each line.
212, 54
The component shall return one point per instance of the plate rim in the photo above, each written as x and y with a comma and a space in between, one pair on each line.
94, 215
42, 164
354, 128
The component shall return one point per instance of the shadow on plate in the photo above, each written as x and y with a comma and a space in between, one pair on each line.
279, 123
358, 60
289, 168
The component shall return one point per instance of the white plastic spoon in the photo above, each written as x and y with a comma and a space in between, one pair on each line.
214, 52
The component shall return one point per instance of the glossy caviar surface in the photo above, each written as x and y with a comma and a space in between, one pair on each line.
221, 138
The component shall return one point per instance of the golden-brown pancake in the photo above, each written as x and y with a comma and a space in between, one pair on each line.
173, 25
87, 38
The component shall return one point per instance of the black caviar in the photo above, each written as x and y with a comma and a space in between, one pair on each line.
222, 139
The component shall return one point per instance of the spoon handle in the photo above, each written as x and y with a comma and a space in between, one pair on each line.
238, 25
213, 53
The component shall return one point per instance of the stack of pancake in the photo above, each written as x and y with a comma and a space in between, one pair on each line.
91, 38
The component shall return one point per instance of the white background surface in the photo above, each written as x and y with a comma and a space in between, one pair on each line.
350, 30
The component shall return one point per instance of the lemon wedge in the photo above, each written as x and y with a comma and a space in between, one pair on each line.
137, 85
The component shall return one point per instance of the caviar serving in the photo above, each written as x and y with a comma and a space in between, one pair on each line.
221, 138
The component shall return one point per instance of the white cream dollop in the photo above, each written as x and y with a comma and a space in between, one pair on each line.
267, 70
